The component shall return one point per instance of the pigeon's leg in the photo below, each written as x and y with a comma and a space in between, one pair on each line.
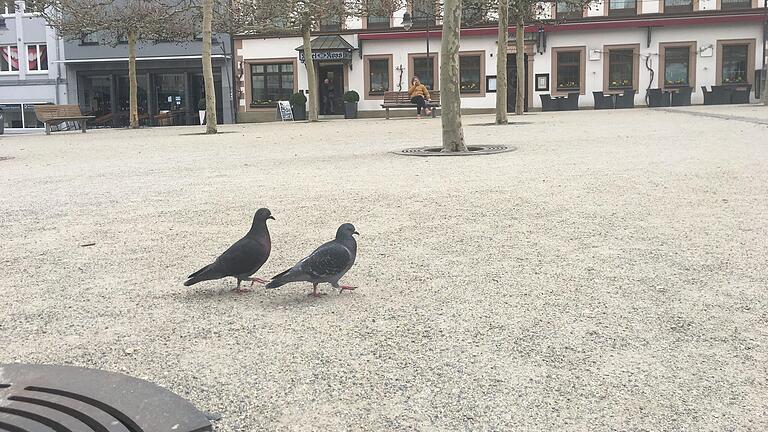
238, 289
343, 287
259, 280
314, 292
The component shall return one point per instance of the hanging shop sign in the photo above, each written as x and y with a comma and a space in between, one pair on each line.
328, 55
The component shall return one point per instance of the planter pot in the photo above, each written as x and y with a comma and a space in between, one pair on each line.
350, 110
299, 112
202, 117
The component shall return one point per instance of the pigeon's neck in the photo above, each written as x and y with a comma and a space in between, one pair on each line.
348, 241
258, 226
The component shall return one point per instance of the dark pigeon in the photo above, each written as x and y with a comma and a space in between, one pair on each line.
243, 258
327, 264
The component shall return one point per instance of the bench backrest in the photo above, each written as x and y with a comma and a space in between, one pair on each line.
48, 112
400, 98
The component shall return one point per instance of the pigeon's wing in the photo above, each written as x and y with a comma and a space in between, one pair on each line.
243, 257
328, 260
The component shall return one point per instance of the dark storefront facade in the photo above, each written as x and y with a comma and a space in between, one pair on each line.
169, 80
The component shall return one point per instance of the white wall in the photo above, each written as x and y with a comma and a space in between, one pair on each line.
705, 66
592, 40
418, 46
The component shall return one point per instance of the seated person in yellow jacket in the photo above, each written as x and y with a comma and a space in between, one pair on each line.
420, 96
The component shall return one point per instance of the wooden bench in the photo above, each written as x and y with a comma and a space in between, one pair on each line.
401, 100
55, 114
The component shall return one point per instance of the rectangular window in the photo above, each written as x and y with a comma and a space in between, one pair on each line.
735, 66
271, 83
7, 7
377, 17
622, 7
330, 23
425, 69
675, 6
34, 6
423, 13
19, 116
735, 4
568, 71
620, 69
9, 58
331, 16
378, 76
93, 38
37, 58
170, 92
96, 97
474, 13
378, 22
30, 118
12, 117
677, 67
469, 73
567, 10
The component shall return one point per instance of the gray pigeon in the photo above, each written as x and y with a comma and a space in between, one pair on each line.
327, 264
243, 258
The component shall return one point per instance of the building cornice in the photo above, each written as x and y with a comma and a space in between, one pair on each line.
707, 17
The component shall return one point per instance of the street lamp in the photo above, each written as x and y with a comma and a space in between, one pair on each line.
407, 25
407, 21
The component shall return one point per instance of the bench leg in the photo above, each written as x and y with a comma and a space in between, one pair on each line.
47, 128
387, 109
82, 125
434, 111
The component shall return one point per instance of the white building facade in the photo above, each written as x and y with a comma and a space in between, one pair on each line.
29, 74
611, 47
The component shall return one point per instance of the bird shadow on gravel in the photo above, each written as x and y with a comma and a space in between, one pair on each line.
298, 299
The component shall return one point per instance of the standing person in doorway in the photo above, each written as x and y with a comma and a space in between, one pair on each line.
331, 96
420, 96
324, 97
328, 95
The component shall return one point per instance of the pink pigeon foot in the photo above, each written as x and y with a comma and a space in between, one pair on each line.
259, 280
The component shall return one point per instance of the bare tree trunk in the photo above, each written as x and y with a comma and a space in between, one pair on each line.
210, 89
520, 60
501, 63
311, 76
764, 91
453, 135
133, 97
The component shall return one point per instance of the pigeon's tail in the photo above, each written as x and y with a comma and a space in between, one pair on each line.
204, 274
281, 279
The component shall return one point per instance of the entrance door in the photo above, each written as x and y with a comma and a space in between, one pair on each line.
335, 76
512, 76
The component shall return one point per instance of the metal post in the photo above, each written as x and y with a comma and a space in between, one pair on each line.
764, 74
429, 58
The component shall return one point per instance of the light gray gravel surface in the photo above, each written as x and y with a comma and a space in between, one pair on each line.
610, 274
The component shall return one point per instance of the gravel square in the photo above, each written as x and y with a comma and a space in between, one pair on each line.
608, 275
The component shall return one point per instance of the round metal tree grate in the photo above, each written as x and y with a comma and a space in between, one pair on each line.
203, 133
41, 398
508, 124
472, 150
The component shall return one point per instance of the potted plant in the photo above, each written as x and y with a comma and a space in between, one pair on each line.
299, 104
351, 98
201, 110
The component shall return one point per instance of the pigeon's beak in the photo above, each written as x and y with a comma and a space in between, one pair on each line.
355, 232
271, 218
